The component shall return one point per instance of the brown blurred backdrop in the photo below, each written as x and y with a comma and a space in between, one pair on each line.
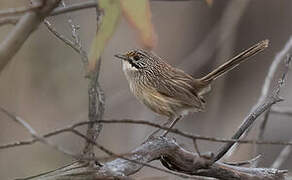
44, 83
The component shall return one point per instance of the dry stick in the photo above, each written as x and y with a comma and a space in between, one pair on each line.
74, 7
141, 122
249, 120
110, 153
282, 157
62, 37
77, 41
20, 10
275, 95
242, 163
9, 20
95, 93
280, 84
281, 110
175, 158
263, 125
267, 83
287, 150
96, 102
34, 134
19, 34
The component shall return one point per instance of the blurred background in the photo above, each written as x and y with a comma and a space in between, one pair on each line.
45, 84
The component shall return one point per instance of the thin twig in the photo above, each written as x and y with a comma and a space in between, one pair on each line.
281, 110
74, 7
141, 122
249, 120
20, 10
68, 42
282, 157
9, 20
281, 83
34, 134
60, 36
269, 78
75, 28
196, 147
243, 163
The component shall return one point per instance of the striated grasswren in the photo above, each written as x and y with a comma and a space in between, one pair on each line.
169, 91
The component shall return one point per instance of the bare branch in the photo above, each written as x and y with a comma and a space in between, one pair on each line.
267, 85
96, 102
21, 10
141, 122
9, 20
61, 37
249, 120
173, 157
74, 7
282, 157
77, 41
281, 110
242, 163
34, 134
25, 26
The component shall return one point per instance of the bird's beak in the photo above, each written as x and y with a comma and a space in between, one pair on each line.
121, 56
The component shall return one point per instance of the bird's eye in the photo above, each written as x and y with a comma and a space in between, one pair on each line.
136, 57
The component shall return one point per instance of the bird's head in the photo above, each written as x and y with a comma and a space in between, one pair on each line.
138, 60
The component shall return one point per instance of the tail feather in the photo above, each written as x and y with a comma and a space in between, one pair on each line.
232, 63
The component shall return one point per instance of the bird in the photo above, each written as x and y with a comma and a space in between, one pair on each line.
169, 91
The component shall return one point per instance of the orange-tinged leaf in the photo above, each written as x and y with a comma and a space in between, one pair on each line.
111, 11
209, 2
138, 14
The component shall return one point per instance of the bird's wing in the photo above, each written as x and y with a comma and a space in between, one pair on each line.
178, 87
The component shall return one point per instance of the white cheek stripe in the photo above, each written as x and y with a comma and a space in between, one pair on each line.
128, 67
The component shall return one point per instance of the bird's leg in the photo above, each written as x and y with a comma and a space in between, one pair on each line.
157, 130
173, 121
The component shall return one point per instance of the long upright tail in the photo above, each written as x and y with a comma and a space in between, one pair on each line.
232, 63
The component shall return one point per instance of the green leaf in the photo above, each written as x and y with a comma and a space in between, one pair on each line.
111, 13
138, 14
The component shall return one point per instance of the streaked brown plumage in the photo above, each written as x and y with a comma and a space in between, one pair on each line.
169, 91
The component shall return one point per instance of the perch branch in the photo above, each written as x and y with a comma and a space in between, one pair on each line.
173, 156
